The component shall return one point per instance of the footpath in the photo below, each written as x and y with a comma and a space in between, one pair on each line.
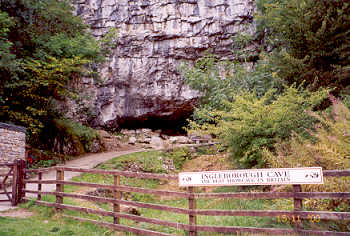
87, 162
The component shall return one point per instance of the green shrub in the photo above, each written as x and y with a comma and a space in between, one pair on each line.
310, 40
180, 156
250, 124
331, 150
221, 80
205, 150
43, 158
77, 137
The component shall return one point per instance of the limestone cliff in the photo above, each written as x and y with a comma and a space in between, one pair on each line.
140, 82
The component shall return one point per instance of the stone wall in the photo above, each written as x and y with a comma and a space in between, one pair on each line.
12, 142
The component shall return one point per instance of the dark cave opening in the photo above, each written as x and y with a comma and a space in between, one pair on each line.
167, 125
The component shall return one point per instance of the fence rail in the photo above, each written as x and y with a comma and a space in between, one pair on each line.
192, 227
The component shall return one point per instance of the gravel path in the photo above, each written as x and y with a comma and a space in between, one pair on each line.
87, 162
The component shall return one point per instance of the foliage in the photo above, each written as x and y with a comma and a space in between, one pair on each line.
179, 156
44, 49
249, 123
7, 60
151, 162
306, 44
73, 134
44, 164
206, 150
220, 80
43, 158
331, 151
311, 41
107, 42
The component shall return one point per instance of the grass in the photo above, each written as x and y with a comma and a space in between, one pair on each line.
151, 162
46, 222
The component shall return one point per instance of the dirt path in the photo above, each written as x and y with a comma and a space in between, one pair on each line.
87, 162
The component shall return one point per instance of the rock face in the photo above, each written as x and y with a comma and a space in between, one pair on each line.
140, 82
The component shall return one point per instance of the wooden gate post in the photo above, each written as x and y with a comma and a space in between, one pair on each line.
21, 177
14, 183
59, 188
40, 177
18, 185
192, 217
117, 196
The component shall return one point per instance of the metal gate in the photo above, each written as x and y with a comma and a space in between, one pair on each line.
11, 181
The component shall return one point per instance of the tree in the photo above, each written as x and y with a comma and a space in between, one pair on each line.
43, 48
221, 80
310, 40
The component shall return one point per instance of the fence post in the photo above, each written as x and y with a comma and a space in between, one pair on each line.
24, 178
40, 177
59, 188
192, 217
116, 195
14, 183
298, 203
21, 177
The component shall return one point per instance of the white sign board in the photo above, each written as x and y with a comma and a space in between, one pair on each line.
307, 175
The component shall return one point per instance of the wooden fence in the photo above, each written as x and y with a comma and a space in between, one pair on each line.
192, 212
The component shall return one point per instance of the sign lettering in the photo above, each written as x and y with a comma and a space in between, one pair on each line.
307, 175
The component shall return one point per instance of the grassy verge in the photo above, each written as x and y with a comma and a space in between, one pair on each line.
46, 222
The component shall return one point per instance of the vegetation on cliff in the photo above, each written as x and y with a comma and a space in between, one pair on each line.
304, 56
310, 41
44, 49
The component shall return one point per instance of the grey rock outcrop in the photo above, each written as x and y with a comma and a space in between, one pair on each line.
140, 82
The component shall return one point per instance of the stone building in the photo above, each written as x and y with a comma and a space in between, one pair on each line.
12, 142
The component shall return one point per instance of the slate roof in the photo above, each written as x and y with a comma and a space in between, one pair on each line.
12, 127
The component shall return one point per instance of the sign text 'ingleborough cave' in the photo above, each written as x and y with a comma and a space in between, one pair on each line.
307, 175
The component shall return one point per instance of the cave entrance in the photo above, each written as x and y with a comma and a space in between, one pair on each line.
168, 126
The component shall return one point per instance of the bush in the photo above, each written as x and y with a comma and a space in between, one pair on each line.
74, 138
180, 156
250, 124
310, 40
220, 80
331, 150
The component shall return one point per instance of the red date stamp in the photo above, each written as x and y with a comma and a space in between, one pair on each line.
294, 219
